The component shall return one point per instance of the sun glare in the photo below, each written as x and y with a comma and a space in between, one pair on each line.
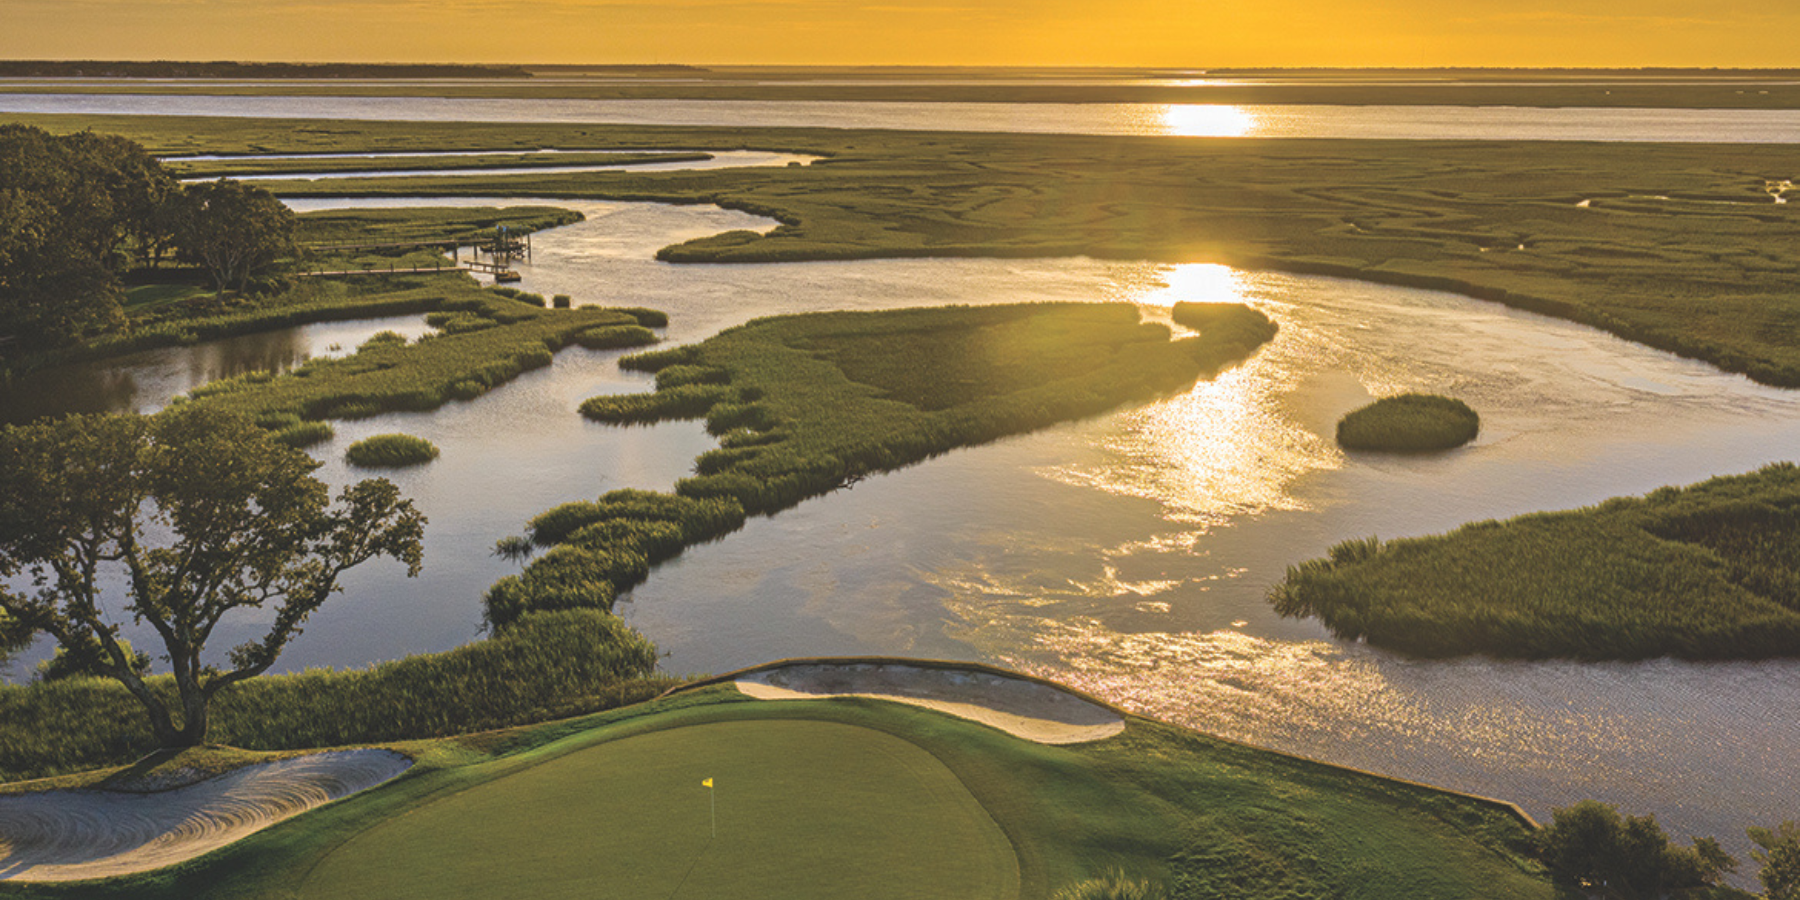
1209, 120
1196, 283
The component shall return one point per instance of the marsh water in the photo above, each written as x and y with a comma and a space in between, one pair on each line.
1180, 120
1127, 554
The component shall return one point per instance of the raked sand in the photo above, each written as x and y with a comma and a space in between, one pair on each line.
1027, 709
71, 835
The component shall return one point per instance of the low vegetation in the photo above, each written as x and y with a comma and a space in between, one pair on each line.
546, 667
1502, 221
237, 167
425, 223
1710, 571
1589, 846
806, 404
1171, 807
484, 340
391, 451
1409, 423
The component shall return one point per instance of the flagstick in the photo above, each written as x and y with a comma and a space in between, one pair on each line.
713, 794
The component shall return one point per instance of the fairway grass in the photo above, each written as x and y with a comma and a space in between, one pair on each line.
857, 798
805, 809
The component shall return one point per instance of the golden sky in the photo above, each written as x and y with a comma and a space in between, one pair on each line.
1185, 33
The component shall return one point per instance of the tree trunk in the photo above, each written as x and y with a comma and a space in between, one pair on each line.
193, 720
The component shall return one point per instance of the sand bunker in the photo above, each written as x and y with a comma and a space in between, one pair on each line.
1027, 709
69, 835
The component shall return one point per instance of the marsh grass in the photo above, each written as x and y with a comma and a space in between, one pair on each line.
1708, 571
1495, 220
1409, 423
484, 340
545, 667
806, 404
250, 165
391, 451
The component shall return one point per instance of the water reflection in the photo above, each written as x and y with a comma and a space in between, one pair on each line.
1130, 553
1206, 120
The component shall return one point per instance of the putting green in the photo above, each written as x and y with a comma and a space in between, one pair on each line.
805, 809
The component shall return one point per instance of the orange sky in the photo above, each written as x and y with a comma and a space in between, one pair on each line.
1187, 33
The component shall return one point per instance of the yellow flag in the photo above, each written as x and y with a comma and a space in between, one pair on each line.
706, 783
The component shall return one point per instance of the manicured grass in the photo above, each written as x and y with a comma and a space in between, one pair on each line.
145, 297
806, 809
1409, 423
391, 451
1711, 571
806, 404
1205, 817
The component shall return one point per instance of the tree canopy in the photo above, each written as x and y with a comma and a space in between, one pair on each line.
233, 229
189, 516
1630, 857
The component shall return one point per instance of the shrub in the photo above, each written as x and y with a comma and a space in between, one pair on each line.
1589, 845
391, 451
562, 301
543, 667
1409, 423
1778, 851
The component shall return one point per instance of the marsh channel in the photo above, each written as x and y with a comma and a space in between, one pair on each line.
1127, 555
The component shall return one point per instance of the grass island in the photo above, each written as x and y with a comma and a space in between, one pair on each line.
1409, 423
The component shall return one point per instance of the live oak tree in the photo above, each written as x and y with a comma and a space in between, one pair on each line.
186, 517
232, 229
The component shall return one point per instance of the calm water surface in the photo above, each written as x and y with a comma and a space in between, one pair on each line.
1126, 554
1491, 123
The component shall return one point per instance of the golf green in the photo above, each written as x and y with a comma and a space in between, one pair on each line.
804, 809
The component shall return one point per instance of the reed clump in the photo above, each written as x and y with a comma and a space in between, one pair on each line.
1409, 423
1710, 571
391, 451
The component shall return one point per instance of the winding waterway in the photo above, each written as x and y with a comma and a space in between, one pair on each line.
1126, 554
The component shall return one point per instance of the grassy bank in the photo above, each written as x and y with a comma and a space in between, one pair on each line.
1678, 246
241, 166
165, 315
484, 340
426, 223
1704, 572
547, 667
1206, 817
806, 404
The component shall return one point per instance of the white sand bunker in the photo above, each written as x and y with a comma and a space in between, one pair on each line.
69, 835
1028, 709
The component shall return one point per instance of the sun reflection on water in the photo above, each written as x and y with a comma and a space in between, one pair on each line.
1206, 120
1227, 447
